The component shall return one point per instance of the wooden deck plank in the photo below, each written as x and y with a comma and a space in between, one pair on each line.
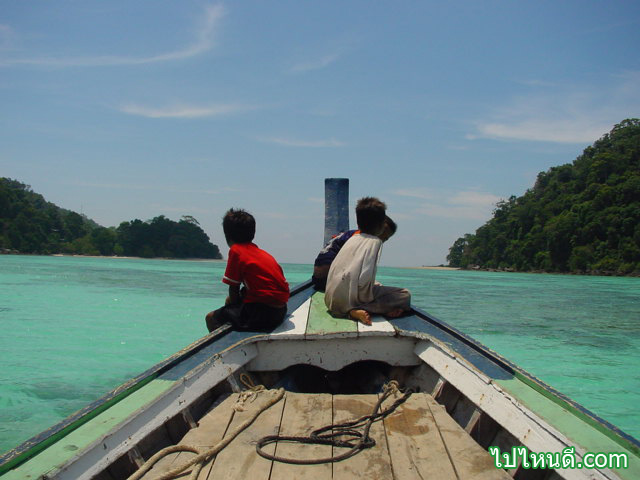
294, 325
419, 440
210, 430
469, 459
321, 323
239, 459
303, 413
163, 465
416, 448
371, 463
212, 426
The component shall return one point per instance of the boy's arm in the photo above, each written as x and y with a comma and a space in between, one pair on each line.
234, 294
233, 277
371, 256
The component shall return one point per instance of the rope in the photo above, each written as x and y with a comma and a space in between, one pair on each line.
203, 457
247, 395
349, 430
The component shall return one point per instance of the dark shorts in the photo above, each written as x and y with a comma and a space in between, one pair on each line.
252, 317
319, 284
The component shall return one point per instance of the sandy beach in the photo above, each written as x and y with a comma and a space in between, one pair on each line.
134, 258
433, 268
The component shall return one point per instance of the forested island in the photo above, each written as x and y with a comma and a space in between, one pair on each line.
582, 217
30, 224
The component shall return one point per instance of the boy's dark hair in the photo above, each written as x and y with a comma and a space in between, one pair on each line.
239, 226
370, 215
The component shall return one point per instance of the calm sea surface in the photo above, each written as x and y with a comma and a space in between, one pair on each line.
74, 328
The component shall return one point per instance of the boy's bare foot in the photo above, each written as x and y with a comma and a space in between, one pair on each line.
361, 316
394, 313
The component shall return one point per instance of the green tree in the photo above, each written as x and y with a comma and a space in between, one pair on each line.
104, 240
30, 224
580, 217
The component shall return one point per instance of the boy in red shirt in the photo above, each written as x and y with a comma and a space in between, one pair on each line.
261, 304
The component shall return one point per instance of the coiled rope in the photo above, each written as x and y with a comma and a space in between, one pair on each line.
348, 431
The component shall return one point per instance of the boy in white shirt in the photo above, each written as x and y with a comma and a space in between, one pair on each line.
352, 290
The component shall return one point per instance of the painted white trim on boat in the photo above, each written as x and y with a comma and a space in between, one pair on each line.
333, 354
379, 327
295, 325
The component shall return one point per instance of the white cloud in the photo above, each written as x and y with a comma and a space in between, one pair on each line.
183, 111
422, 193
473, 199
564, 114
467, 204
276, 215
315, 64
567, 130
203, 42
292, 142
533, 82
6, 32
122, 186
181, 210
460, 147
468, 212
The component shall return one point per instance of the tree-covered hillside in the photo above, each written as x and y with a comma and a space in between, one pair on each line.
582, 217
30, 224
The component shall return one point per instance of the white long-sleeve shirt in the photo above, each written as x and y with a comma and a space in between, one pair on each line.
353, 274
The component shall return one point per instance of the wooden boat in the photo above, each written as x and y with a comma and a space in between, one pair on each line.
467, 399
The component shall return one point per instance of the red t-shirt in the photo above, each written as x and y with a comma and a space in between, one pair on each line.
259, 272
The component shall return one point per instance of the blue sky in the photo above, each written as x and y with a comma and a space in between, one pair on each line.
128, 110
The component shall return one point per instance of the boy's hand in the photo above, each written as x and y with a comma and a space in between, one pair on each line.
234, 295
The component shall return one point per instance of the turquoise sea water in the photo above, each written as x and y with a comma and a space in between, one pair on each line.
73, 328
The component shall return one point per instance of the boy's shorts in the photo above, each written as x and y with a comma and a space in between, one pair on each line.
320, 284
252, 317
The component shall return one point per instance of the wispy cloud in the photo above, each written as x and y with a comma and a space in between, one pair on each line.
182, 210
276, 215
567, 130
466, 204
534, 82
315, 64
616, 26
183, 111
155, 188
293, 142
473, 199
421, 193
204, 34
564, 114
6, 32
